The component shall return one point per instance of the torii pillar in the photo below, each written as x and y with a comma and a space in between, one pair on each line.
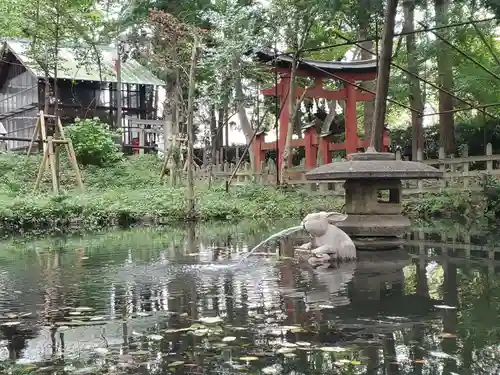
349, 93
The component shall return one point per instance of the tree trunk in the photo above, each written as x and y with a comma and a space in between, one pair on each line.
384, 70
287, 152
415, 91
445, 72
190, 133
364, 33
245, 124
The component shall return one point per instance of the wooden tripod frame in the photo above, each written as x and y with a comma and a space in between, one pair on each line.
50, 152
176, 140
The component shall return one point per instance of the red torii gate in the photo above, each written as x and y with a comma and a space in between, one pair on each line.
347, 72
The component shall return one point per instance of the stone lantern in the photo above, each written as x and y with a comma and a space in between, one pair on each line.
373, 192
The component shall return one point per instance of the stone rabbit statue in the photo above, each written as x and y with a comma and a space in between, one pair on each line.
328, 242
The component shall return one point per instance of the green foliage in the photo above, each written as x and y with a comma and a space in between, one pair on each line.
447, 204
94, 142
474, 132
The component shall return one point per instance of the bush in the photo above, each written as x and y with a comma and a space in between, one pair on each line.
94, 142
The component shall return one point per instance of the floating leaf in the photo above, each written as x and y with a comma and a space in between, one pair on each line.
211, 320
10, 324
200, 332
441, 355
176, 363
84, 309
249, 359
101, 351
445, 307
155, 337
326, 307
270, 370
228, 339
332, 349
285, 350
445, 335
303, 343
355, 363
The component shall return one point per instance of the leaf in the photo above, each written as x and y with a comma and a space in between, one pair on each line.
211, 320
176, 363
249, 359
228, 339
445, 335
84, 309
10, 324
332, 349
155, 337
101, 351
445, 307
285, 350
303, 343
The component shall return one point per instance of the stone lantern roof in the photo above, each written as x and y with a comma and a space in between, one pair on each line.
373, 165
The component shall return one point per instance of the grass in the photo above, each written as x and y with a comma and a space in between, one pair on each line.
130, 193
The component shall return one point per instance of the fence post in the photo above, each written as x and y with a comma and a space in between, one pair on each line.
420, 183
465, 155
489, 163
442, 166
142, 136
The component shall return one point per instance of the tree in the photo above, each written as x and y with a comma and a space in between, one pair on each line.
445, 81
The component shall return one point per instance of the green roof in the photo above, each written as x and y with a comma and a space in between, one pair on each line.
71, 68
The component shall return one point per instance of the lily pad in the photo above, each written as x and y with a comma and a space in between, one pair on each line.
445, 307
211, 320
84, 309
176, 363
155, 337
303, 343
332, 349
270, 370
101, 351
285, 350
249, 359
200, 332
10, 324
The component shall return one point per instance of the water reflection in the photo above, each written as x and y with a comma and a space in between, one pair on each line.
151, 309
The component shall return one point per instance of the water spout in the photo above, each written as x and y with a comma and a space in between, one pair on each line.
283, 233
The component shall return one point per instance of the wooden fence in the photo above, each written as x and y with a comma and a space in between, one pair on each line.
462, 172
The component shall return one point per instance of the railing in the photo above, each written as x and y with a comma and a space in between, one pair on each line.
463, 172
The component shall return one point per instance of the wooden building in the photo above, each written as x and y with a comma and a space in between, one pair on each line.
87, 88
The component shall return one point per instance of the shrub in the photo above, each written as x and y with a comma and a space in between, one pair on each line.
94, 142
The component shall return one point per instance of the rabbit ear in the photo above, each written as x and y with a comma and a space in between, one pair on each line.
335, 217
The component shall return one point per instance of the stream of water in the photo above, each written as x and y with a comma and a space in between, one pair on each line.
273, 237
142, 302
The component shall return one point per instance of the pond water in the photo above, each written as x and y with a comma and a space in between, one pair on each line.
148, 301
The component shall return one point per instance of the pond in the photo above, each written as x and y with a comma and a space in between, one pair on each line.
147, 301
